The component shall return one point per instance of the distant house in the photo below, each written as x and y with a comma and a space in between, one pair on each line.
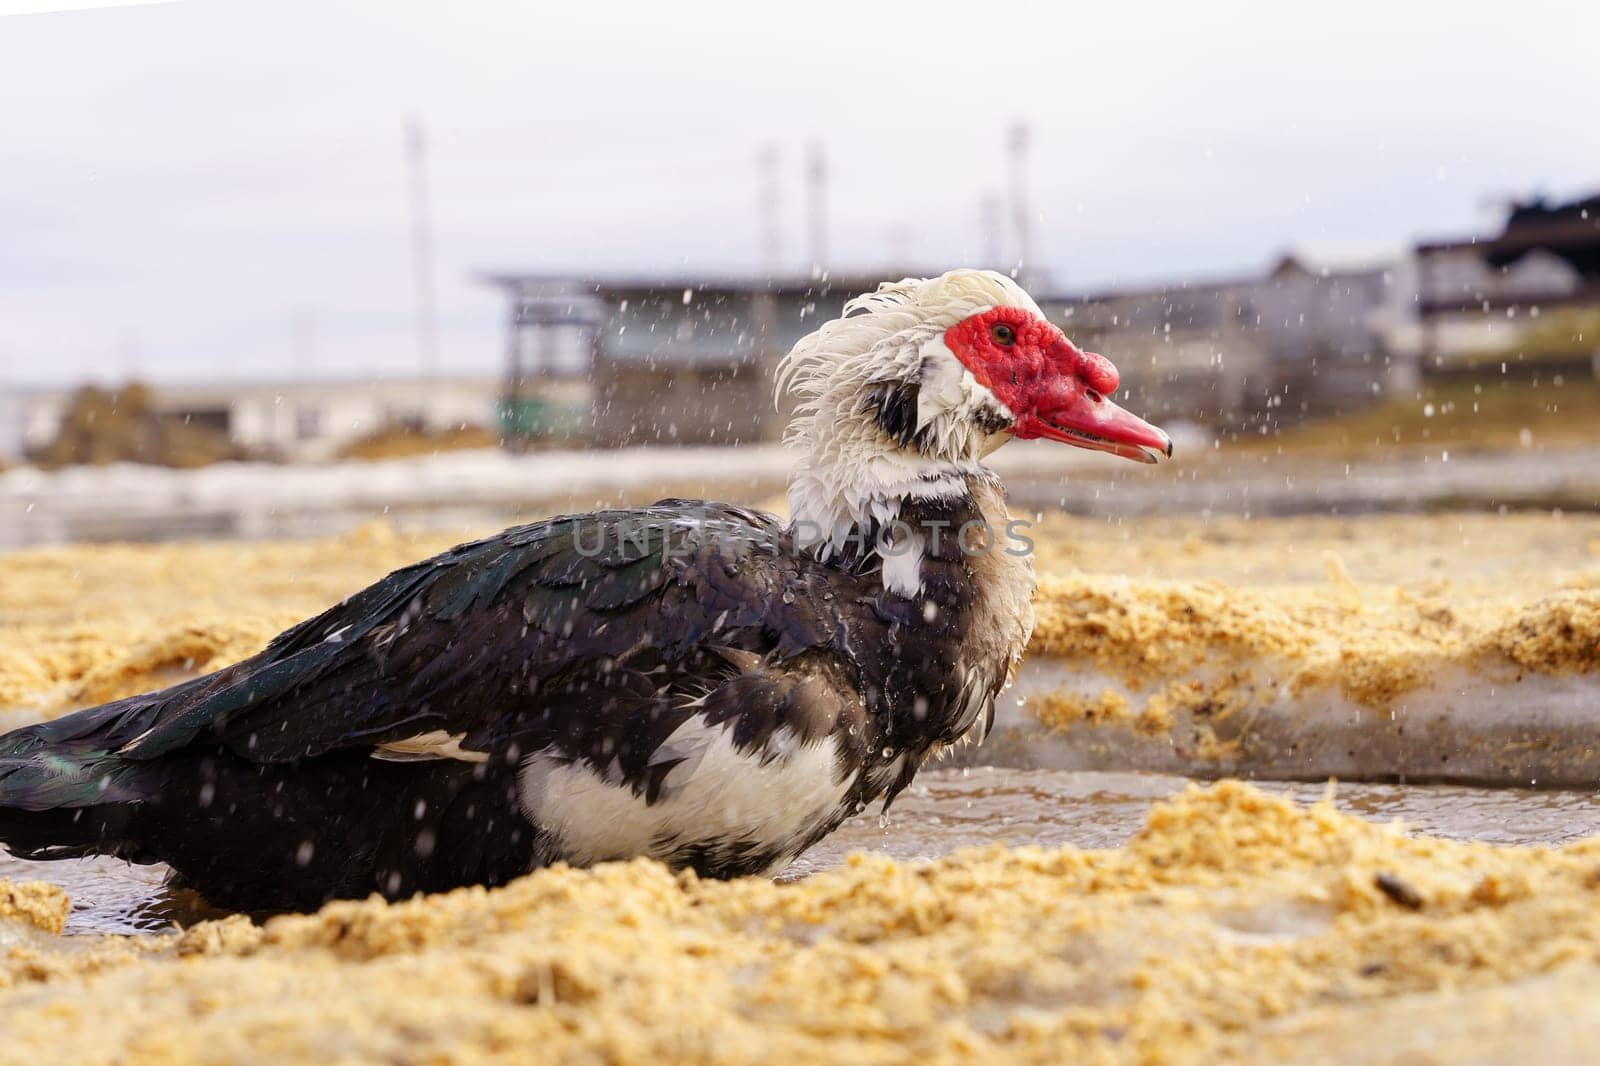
13, 416
1306, 337
668, 360
1528, 295
691, 360
301, 419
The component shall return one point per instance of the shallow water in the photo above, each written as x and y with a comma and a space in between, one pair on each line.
950, 809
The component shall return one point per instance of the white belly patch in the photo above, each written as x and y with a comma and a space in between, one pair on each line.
716, 795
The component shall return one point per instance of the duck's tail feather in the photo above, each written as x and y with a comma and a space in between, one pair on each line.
65, 790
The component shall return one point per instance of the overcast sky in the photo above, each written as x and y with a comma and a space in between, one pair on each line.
212, 188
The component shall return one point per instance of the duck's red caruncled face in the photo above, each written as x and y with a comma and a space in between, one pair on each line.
1055, 390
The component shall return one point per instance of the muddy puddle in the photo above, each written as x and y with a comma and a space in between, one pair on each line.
950, 809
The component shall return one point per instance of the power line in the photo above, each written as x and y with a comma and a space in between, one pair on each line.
771, 231
817, 207
422, 275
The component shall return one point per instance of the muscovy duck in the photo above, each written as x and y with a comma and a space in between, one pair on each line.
693, 681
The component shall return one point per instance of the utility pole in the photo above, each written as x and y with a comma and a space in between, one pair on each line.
1021, 216
302, 356
771, 230
991, 220
422, 276
817, 208
132, 356
897, 240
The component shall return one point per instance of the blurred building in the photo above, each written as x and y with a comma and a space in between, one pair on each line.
290, 420
669, 360
691, 360
12, 417
1526, 296
1306, 337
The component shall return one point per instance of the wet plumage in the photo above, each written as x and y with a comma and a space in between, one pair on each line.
697, 682
588, 641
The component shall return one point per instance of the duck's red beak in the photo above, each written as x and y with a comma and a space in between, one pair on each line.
1072, 406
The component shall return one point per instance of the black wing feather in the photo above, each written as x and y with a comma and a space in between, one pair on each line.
463, 641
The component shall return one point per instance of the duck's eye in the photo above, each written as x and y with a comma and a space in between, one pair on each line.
1003, 334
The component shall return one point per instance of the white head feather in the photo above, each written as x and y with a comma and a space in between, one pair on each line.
851, 470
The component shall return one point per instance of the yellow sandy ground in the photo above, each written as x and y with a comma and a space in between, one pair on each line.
84, 624
42, 906
1218, 614
1374, 606
1234, 927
